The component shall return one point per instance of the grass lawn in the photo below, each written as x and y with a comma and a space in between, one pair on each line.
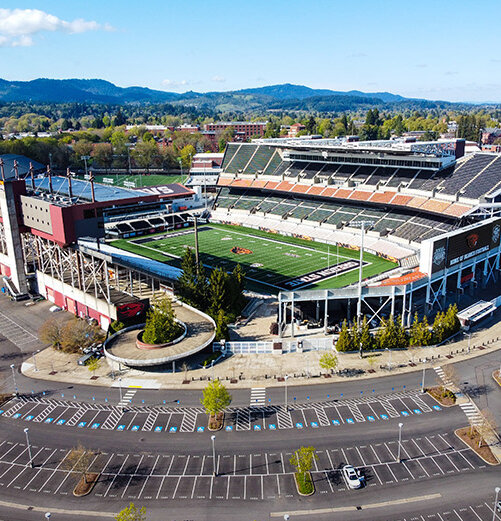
143, 180
267, 258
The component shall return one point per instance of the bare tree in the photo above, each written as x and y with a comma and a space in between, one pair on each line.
79, 460
451, 375
487, 427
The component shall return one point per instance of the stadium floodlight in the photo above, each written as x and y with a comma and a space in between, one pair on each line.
195, 220
363, 225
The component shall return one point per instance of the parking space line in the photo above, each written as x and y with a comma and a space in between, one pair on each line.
496, 516
376, 474
116, 475
472, 509
40, 469
194, 485
375, 453
408, 470
388, 449
177, 485
391, 472
360, 454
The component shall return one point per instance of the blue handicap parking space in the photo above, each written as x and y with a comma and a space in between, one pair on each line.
62, 421
314, 424
336, 422
350, 420
257, 427
95, 426
158, 428
173, 429
121, 428
404, 413
17, 415
371, 418
384, 416
299, 425
201, 429
229, 428
1, 411
48, 420
272, 427
417, 411
81, 424
437, 407
29, 418
135, 428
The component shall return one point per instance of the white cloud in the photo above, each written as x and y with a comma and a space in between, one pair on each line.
218, 79
17, 26
175, 83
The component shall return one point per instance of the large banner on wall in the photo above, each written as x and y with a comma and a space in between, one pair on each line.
461, 246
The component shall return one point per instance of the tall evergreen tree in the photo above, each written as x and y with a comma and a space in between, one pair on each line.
345, 340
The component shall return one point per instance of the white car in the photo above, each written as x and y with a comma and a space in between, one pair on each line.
54, 309
352, 477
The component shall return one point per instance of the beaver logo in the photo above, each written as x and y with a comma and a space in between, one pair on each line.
472, 240
240, 251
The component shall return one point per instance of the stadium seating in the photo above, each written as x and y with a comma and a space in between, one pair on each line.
464, 173
482, 184
274, 163
259, 160
240, 160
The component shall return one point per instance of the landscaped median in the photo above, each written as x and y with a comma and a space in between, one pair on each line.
471, 437
303, 459
442, 395
497, 377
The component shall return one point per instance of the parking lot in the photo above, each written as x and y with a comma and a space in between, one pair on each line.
165, 419
479, 511
243, 476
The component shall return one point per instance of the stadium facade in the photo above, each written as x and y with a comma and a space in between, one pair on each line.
52, 239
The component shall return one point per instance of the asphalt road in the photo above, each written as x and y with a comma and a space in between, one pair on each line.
439, 478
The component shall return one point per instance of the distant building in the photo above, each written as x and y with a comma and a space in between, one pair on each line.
244, 130
295, 129
489, 135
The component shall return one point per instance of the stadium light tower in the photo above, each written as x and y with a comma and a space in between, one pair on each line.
363, 225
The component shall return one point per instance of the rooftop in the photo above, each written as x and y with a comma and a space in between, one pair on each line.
82, 190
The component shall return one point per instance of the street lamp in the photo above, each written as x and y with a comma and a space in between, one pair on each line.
14, 379
400, 425
496, 490
34, 359
213, 438
422, 381
85, 163
120, 389
286, 377
29, 446
389, 360
469, 342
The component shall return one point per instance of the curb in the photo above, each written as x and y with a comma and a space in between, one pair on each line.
440, 403
496, 378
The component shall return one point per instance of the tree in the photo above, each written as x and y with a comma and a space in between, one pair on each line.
186, 155
215, 398
93, 365
145, 153
487, 427
345, 339
365, 337
103, 154
328, 361
222, 331
219, 291
303, 459
161, 326
77, 334
131, 513
50, 332
78, 460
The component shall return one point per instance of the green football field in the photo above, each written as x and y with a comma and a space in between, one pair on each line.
140, 180
268, 259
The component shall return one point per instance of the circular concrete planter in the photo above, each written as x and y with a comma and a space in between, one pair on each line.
143, 345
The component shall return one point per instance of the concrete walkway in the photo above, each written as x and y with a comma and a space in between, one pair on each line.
265, 369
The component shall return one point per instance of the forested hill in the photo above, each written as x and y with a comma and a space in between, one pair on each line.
273, 97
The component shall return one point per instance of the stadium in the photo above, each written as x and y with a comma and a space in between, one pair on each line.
334, 228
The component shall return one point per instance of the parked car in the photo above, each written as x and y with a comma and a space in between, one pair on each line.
54, 309
83, 360
352, 477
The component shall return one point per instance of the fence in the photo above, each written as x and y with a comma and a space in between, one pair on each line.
310, 344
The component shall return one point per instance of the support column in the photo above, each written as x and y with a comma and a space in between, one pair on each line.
326, 311
409, 315
402, 317
292, 316
392, 312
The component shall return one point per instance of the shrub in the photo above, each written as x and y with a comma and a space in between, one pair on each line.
160, 324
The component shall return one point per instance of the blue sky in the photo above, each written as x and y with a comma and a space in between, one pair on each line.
433, 49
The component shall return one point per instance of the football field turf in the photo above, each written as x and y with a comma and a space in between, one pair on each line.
273, 260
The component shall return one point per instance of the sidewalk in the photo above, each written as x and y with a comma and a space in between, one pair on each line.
264, 370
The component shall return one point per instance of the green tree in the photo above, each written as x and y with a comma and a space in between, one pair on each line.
216, 398
222, 331
365, 339
439, 328
186, 155
161, 326
131, 513
219, 291
93, 365
345, 340
103, 154
328, 361
302, 459
452, 323
145, 154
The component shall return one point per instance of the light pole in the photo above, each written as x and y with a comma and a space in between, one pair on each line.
120, 388
496, 490
14, 379
422, 381
400, 425
128, 145
286, 377
469, 342
85, 163
362, 225
29, 446
213, 438
34, 359
389, 359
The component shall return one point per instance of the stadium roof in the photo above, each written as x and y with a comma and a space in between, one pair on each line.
82, 190
23, 163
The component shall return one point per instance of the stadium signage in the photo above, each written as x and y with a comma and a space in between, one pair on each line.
463, 245
325, 273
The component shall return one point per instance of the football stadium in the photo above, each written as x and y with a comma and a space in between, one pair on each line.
332, 228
